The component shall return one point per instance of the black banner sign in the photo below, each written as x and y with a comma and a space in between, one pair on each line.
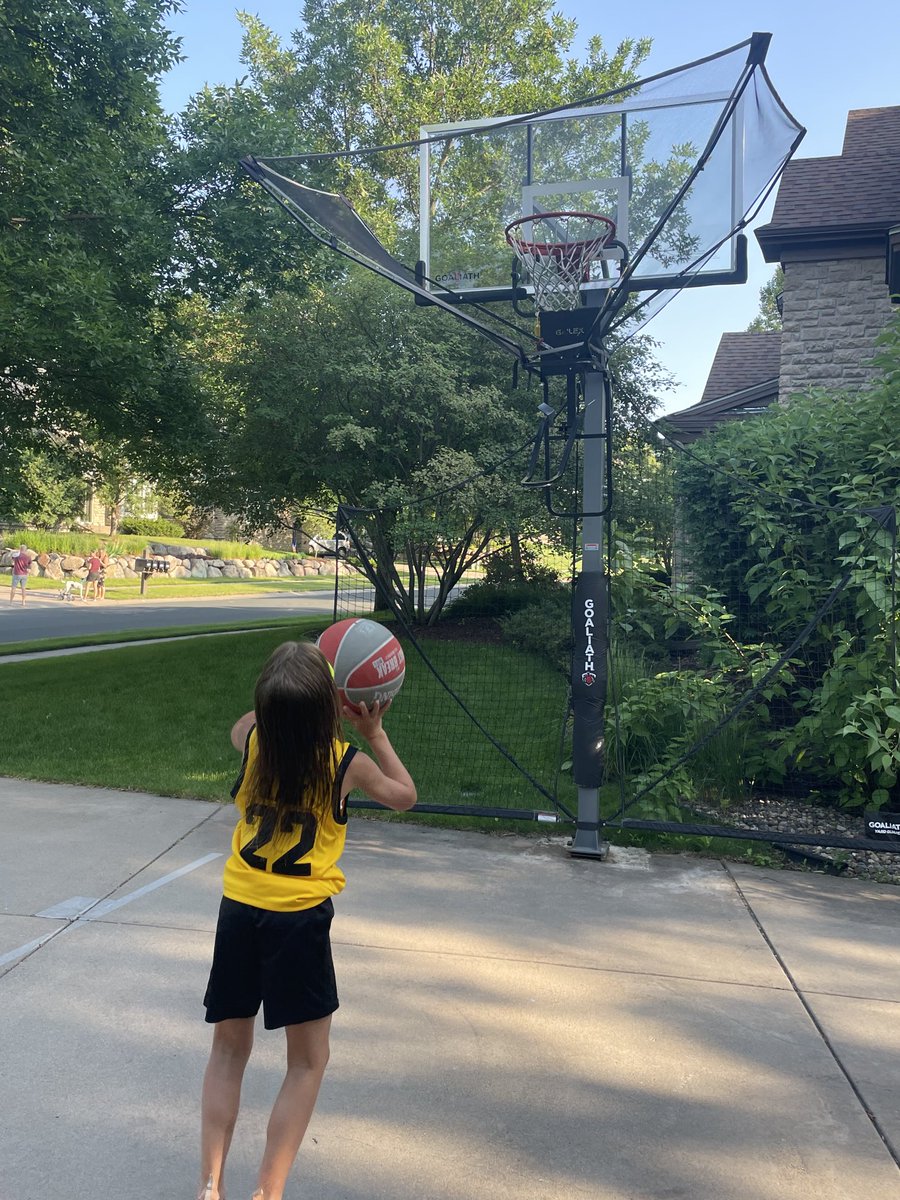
882, 825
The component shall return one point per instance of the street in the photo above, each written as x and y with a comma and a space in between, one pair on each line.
46, 616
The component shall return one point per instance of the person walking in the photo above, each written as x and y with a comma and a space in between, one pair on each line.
20, 566
103, 555
272, 945
95, 570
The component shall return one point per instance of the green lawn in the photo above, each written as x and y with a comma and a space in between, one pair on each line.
163, 588
157, 718
292, 624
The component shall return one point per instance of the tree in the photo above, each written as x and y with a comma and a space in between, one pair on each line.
46, 489
344, 388
88, 227
777, 510
769, 315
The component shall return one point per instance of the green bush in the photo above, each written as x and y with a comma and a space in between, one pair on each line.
777, 510
486, 599
149, 527
543, 628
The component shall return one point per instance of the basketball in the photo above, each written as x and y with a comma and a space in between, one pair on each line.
368, 661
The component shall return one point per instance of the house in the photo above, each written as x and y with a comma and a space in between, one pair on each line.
835, 229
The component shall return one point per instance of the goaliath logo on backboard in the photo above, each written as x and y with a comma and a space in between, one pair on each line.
469, 278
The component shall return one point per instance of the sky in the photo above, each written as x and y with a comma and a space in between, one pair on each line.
821, 66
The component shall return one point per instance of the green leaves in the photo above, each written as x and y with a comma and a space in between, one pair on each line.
88, 225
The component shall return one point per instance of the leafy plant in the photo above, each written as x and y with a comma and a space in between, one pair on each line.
156, 527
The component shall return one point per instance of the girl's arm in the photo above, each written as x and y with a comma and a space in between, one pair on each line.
240, 729
386, 780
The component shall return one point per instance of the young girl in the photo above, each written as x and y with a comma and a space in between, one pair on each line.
272, 939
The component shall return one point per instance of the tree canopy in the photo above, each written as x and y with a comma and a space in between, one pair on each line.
88, 339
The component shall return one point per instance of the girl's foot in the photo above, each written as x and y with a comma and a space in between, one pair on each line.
210, 1192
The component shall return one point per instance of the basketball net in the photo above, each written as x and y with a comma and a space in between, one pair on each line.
556, 250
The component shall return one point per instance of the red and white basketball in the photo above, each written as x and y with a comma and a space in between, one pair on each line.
369, 664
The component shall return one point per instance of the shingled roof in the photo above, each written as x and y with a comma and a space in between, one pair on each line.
743, 360
742, 380
855, 192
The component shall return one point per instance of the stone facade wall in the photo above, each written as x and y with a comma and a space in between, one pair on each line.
187, 563
833, 310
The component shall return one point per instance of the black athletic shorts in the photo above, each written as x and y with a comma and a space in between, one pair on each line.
281, 960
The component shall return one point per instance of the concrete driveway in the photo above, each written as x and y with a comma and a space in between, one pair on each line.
514, 1023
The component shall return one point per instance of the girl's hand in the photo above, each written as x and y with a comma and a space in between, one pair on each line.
366, 721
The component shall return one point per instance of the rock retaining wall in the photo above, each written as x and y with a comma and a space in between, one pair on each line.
185, 562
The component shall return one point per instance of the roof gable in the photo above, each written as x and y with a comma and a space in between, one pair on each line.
743, 360
858, 188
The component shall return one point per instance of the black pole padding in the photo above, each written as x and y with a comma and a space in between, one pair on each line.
589, 677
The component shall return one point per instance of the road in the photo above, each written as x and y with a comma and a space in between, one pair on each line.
45, 616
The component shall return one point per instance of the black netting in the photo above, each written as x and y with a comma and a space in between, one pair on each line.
727, 644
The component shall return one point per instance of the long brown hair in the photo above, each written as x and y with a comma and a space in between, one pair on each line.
297, 723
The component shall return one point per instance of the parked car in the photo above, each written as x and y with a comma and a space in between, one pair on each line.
339, 547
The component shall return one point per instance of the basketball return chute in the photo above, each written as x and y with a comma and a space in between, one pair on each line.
585, 219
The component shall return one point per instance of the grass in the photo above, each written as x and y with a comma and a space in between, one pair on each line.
156, 718
300, 626
130, 589
81, 544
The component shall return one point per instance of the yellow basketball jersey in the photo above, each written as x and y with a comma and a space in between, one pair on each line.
292, 870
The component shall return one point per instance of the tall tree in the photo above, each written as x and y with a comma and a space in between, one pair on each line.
87, 225
329, 381
769, 316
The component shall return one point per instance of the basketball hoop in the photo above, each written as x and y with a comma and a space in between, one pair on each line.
558, 253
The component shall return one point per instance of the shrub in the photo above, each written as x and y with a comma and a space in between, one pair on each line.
486, 599
156, 527
543, 628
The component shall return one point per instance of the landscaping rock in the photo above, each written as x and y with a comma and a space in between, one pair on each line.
213, 572
71, 562
53, 569
230, 571
43, 560
199, 569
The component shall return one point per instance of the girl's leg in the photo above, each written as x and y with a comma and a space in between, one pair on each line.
307, 1057
232, 1043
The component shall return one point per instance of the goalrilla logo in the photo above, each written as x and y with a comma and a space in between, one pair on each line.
588, 676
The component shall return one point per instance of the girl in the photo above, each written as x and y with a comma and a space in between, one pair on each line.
272, 939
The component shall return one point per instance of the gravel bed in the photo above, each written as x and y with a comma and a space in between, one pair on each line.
793, 816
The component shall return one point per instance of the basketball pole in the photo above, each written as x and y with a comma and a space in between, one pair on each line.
589, 618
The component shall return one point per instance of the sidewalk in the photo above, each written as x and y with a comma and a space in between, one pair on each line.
514, 1023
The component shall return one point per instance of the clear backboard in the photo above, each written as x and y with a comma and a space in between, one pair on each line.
626, 161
